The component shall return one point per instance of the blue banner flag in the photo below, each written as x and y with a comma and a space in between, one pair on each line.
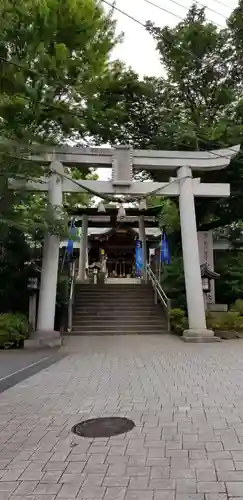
164, 251
72, 234
139, 257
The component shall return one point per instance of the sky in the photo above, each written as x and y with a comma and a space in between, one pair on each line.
138, 48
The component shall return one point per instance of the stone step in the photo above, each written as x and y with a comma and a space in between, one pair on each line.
117, 321
115, 293
111, 285
119, 317
116, 309
136, 304
114, 327
122, 282
118, 332
108, 288
113, 298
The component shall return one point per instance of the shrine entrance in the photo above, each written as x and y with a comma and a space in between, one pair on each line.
120, 266
120, 253
182, 172
114, 240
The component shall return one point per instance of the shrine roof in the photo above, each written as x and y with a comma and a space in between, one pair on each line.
152, 233
109, 218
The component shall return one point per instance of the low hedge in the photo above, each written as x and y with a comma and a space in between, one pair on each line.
14, 329
178, 321
231, 321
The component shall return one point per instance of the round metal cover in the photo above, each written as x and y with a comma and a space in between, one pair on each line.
103, 427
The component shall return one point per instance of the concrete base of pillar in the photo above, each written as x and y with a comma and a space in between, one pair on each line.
200, 336
42, 339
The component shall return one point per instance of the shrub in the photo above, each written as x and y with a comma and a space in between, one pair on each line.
13, 330
178, 320
226, 321
237, 307
221, 321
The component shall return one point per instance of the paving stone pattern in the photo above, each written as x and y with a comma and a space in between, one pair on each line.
186, 401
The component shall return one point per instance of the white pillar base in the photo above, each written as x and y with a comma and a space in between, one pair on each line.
42, 339
200, 336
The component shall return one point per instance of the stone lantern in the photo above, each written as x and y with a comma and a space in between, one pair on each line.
207, 275
95, 268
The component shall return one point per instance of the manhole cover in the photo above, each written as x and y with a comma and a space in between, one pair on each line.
103, 427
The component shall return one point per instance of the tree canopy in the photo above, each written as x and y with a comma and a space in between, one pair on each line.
197, 105
52, 56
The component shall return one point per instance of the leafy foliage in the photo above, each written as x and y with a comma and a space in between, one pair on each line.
178, 320
226, 321
52, 56
238, 307
229, 287
173, 282
196, 106
13, 330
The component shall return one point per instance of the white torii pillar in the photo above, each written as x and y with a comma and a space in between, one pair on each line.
197, 331
45, 334
83, 249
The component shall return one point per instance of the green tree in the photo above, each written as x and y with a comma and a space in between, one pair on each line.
197, 106
52, 56
173, 281
229, 287
195, 54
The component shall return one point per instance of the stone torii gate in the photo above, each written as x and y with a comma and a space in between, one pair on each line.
124, 162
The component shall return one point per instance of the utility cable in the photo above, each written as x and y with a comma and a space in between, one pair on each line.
124, 13
78, 115
177, 15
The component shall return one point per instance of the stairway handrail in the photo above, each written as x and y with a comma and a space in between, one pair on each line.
71, 296
159, 293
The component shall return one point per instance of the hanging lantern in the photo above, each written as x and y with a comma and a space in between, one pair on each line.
143, 204
121, 212
205, 284
101, 207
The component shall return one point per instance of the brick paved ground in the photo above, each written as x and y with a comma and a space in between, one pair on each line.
186, 401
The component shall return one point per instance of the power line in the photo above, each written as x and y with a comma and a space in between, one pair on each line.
56, 107
165, 10
199, 3
136, 20
211, 10
124, 13
222, 3
80, 116
173, 13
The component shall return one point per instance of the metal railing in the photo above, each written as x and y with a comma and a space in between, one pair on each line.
159, 293
71, 296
